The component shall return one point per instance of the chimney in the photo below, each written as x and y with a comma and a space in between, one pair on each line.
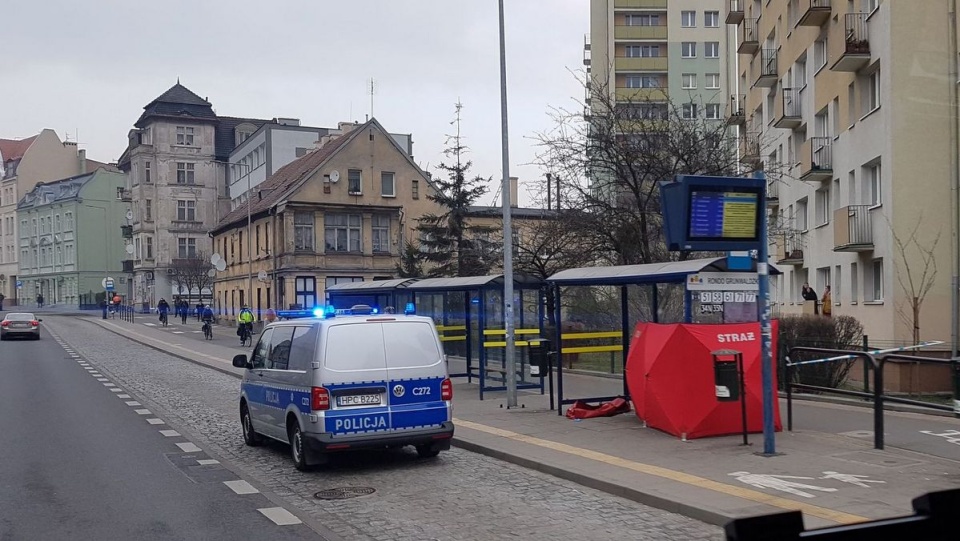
82, 159
514, 188
346, 127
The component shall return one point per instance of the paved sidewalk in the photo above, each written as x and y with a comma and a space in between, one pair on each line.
831, 478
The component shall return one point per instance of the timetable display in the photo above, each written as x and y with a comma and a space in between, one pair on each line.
729, 214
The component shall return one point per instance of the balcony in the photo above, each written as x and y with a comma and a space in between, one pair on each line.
126, 231
853, 229
657, 32
816, 159
816, 13
736, 110
124, 195
773, 194
639, 95
734, 12
768, 69
750, 148
855, 52
788, 114
749, 37
789, 247
186, 225
640, 63
127, 266
640, 4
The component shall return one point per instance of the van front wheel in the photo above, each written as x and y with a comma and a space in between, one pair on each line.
250, 436
427, 451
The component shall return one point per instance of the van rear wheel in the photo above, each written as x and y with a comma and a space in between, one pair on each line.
250, 436
427, 451
298, 451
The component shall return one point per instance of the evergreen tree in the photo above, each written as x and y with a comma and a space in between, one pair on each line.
451, 246
410, 265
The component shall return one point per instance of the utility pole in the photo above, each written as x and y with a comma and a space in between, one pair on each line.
510, 351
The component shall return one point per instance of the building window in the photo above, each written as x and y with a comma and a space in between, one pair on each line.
835, 286
306, 291
689, 81
711, 49
342, 232
185, 173
416, 189
872, 189
147, 178
185, 136
303, 231
258, 239
688, 49
137, 248
381, 233
711, 19
822, 206
689, 111
642, 20
823, 279
57, 224
354, 184
712, 111
388, 187
186, 247
688, 19
820, 53
148, 210
642, 81
854, 283
712, 81
266, 238
801, 216
876, 281
871, 99
186, 211
650, 51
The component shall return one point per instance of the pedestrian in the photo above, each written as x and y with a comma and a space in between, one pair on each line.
199, 311
39, 300
184, 312
827, 302
809, 294
1, 301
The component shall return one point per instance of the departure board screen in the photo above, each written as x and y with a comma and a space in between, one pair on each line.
724, 214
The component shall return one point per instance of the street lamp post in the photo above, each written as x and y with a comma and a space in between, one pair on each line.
510, 352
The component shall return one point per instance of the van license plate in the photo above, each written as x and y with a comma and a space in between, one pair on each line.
359, 400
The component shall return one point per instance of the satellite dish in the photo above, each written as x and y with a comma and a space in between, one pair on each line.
212, 273
130, 249
129, 214
262, 276
221, 265
334, 176
215, 258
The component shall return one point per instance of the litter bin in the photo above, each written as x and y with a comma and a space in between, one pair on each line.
539, 357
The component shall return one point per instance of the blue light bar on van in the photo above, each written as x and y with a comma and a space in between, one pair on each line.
330, 311
318, 312
295, 314
410, 309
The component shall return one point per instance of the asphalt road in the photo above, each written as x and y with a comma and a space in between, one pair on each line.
80, 463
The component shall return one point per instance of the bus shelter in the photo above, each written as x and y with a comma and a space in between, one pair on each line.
380, 294
468, 312
658, 282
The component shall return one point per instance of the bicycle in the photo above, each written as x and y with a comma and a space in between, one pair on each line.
163, 318
246, 337
207, 330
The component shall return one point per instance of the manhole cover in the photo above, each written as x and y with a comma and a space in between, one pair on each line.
344, 493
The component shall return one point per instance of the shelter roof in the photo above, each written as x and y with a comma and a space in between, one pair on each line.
366, 287
466, 283
650, 273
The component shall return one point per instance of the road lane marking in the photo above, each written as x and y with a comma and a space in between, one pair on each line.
241, 487
207, 461
673, 475
102, 379
133, 403
189, 447
142, 412
123, 396
177, 332
170, 433
280, 516
109, 384
116, 390
155, 421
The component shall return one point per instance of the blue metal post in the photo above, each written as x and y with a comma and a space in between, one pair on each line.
687, 306
766, 331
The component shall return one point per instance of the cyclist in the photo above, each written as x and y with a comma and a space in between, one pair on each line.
245, 324
206, 315
163, 308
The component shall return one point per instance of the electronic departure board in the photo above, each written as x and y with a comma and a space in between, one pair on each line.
723, 214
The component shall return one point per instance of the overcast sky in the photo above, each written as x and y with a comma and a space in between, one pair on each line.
89, 67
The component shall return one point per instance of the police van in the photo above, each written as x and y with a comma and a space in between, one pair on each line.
351, 381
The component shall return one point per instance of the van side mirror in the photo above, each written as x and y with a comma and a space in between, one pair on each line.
240, 361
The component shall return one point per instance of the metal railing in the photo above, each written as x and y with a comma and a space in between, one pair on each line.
821, 154
855, 35
859, 225
749, 30
738, 104
791, 102
768, 63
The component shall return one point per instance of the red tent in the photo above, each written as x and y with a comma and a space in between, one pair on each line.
671, 378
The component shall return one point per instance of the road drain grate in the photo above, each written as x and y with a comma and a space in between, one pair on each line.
344, 493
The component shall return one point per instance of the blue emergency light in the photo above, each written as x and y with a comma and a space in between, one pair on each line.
330, 311
318, 311
410, 309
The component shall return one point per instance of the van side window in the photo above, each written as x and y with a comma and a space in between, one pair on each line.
302, 348
259, 359
280, 348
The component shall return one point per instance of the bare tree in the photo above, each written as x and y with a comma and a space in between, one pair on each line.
192, 274
916, 274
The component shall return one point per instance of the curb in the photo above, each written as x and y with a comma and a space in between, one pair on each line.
887, 406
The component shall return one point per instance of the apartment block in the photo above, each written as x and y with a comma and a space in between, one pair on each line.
658, 51
851, 110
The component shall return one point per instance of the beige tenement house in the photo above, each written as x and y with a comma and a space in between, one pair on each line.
341, 213
854, 103
24, 163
